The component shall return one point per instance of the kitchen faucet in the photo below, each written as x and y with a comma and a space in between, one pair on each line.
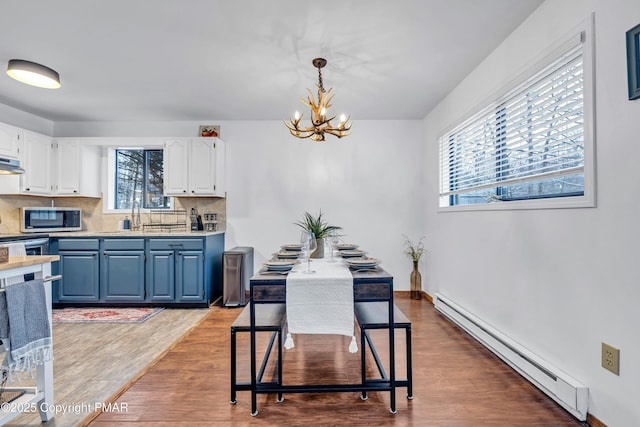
135, 217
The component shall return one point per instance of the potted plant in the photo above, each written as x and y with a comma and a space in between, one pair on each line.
415, 251
319, 228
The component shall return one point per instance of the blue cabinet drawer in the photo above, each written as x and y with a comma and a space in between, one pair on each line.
123, 244
176, 244
78, 244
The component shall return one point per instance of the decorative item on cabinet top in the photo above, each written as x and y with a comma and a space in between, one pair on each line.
209, 130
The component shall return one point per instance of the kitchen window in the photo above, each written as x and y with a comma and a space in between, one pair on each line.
138, 179
532, 147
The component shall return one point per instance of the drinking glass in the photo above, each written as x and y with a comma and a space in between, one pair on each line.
334, 239
308, 242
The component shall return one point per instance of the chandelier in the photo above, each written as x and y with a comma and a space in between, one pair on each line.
320, 121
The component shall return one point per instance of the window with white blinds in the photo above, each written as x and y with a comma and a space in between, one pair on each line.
528, 144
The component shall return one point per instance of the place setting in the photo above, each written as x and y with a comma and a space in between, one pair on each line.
278, 266
362, 264
284, 254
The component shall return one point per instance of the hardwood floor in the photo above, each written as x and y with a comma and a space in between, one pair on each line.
93, 361
457, 382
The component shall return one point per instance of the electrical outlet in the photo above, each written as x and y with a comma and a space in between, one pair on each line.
611, 358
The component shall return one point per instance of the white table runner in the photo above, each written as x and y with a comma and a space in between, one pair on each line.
320, 303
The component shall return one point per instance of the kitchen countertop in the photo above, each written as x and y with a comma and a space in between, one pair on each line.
26, 261
124, 233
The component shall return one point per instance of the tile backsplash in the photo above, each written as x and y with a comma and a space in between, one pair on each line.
93, 218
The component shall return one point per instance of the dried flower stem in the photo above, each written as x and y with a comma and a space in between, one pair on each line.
414, 250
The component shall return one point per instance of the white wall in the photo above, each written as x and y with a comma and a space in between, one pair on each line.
370, 183
24, 120
557, 281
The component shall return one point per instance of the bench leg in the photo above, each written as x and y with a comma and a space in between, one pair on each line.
233, 367
409, 367
280, 343
363, 367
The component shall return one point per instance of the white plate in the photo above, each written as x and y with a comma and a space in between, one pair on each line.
280, 265
352, 253
346, 246
292, 247
362, 262
280, 262
288, 254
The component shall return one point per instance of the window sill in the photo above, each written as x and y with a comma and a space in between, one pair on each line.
555, 203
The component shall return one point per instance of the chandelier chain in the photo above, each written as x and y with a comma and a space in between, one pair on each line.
320, 85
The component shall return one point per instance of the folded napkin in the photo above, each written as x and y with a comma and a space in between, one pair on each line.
320, 303
29, 333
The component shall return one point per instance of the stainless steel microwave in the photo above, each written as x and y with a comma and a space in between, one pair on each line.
50, 219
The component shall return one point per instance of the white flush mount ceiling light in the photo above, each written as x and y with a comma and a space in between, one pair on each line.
33, 74
320, 117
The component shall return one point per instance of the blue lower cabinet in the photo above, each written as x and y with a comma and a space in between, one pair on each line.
190, 276
161, 276
140, 270
122, 276
81, 272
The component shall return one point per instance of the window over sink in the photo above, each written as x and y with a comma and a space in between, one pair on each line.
136, 179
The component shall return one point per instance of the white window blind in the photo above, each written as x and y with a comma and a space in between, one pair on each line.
528, 144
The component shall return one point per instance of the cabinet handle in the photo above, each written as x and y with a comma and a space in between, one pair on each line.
184, 191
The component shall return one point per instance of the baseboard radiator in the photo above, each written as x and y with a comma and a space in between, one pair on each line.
566, 391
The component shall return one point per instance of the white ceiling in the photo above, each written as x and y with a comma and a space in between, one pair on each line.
166, 60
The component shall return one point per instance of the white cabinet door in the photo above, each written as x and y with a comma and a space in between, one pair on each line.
193, 167
37, 164
202, 164
77, 167
176, 167
68, 168
9, 138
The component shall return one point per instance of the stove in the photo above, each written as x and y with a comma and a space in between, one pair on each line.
34, 244
4, 238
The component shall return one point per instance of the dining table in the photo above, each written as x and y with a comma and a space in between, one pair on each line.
268, 287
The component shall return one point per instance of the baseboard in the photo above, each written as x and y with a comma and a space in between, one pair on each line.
558, 385
594, 422
427, 297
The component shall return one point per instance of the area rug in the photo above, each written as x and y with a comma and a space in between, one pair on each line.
104, 315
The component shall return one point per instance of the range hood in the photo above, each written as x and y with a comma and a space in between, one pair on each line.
10, 167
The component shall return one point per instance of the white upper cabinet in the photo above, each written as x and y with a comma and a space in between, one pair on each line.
194, 167
60, 167
175, 167
36, 161
77, 168
9, 141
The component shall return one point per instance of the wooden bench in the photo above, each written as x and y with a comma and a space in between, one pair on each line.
269, 318
375, 315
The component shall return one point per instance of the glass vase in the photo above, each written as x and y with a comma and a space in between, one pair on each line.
416, 282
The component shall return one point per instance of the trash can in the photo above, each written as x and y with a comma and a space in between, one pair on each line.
237, 269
